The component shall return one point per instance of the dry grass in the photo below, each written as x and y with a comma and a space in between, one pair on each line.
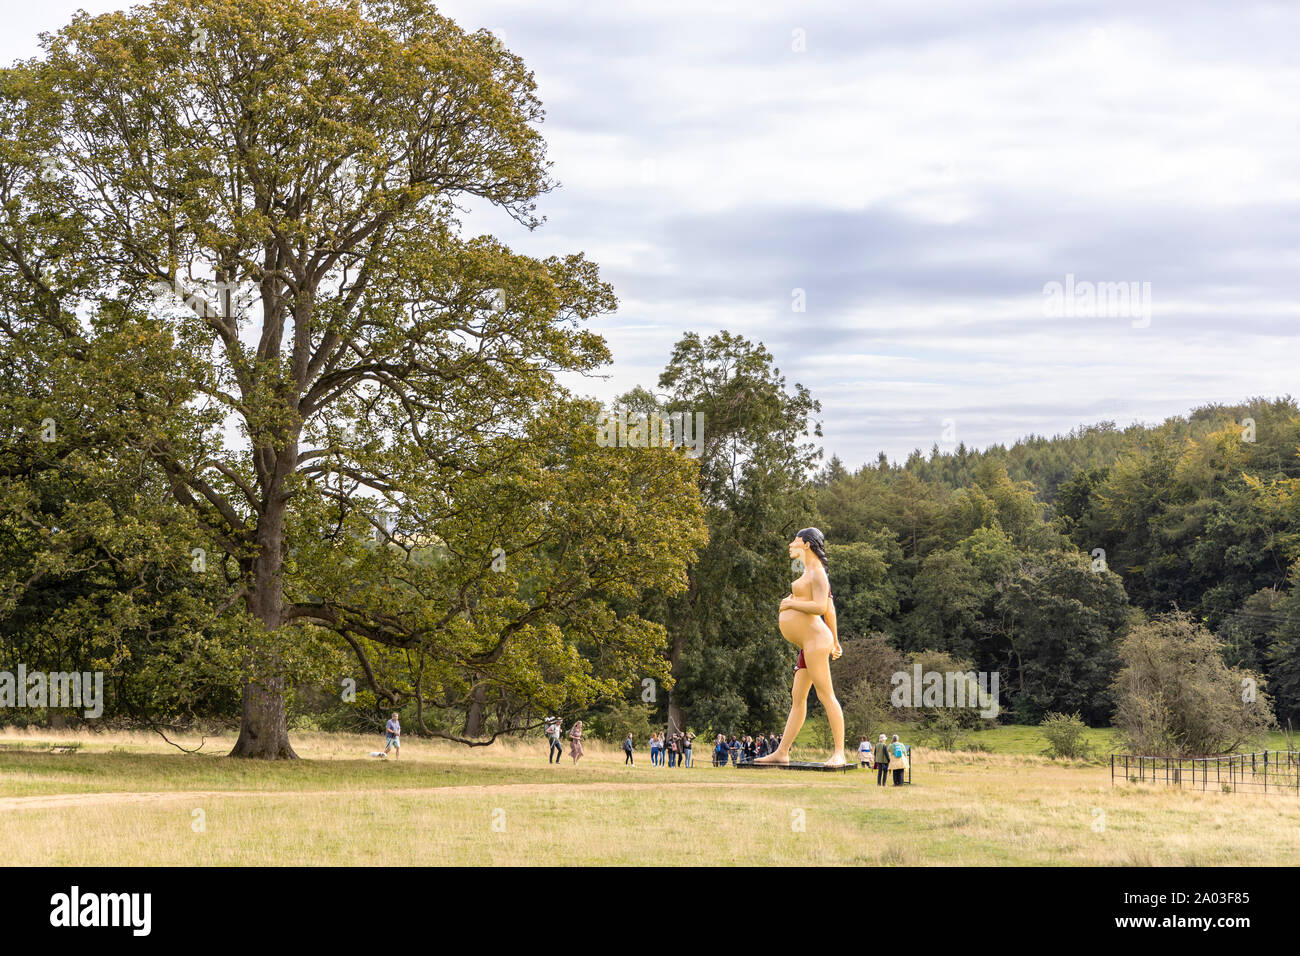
131, 800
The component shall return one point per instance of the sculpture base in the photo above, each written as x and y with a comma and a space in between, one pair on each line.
795, 765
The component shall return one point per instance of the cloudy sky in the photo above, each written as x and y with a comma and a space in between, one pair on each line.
916, 175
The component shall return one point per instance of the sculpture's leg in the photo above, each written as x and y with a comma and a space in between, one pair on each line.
819, 667
798, 711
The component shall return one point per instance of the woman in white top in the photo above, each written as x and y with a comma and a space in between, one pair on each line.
864, 752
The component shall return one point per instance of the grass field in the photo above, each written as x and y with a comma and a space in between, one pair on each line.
124, 799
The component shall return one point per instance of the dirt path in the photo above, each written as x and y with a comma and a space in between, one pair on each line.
62, 800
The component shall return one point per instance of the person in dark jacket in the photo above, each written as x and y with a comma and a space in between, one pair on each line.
882, 761
627, 750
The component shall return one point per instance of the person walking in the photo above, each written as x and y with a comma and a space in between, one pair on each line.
553, 733
882, 761
898, 755
627, 750
575, 742
864, 752
393, 736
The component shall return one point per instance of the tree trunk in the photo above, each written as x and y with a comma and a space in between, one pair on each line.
263, 724
477, 706
676, 723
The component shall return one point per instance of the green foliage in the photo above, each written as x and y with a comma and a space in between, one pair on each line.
380, 367
1061, 619
944, 731
1176, 696
615, 721
864, 714
731, 667
816, 732
1065, 736
949, 690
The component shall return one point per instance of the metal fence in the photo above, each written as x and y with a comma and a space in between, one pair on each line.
1265, 771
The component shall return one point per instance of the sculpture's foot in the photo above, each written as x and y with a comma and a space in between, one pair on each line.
776, 758
836, 760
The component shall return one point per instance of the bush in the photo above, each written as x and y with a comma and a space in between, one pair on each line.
864, 714
969, 717
818, 732
1064, 734
617, 720
943, 731
1176, 696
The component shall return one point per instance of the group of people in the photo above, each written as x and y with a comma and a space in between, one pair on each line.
885, 756
744, 749
673, 750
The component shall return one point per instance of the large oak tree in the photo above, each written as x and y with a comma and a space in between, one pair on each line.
239, 219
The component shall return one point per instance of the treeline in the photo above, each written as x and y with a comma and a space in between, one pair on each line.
1034, 560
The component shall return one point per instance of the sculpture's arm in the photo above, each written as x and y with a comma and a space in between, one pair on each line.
817, 605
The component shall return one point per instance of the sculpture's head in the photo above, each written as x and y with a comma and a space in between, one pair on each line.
809, 541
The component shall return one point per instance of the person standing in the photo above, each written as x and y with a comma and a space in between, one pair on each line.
720, 752
627, 750
672, 750
882, 761
575, 742
654, 750
686, 746
393, 736
898, 754
553, 733
864, 752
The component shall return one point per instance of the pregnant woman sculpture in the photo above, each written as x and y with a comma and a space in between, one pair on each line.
818, 642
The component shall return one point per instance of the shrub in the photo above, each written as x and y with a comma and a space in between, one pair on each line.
1064, 734
618, 719
1176, 696
943, 731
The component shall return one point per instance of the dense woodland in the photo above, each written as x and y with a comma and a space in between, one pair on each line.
1030, 560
